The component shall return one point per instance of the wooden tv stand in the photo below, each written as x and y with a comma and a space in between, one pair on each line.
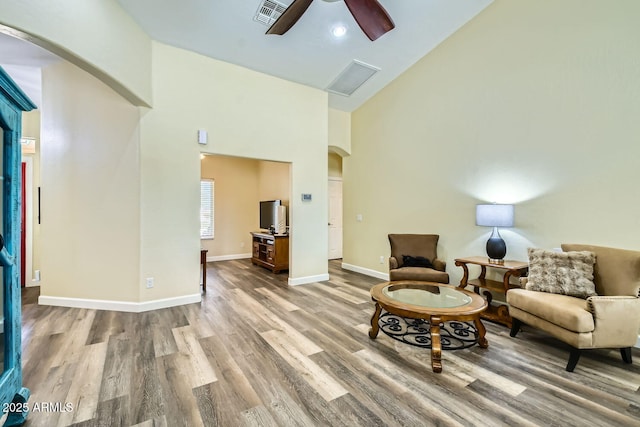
271, 251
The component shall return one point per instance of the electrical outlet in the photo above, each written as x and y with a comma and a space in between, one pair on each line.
149, 282
381, 259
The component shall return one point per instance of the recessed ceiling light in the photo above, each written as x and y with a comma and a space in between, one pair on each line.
339, 30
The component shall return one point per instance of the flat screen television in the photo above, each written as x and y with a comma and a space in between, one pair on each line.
269, 213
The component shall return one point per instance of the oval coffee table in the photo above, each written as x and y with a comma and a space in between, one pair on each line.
433, 302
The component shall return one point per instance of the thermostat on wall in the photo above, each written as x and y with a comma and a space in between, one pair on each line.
306, 197
202, 136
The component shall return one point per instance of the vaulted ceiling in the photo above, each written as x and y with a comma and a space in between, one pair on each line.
308, 53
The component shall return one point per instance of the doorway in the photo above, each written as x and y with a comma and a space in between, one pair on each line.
335, 218
240, 185
26, 223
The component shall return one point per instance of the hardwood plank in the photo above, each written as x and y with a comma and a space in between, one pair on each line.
278, 392
278, 300
107, 323
311, 323
195, 365
323, 383
476, 372
359, 379
145, 394
272, 321
200, 324
244, 395
85, 389
339, 293
258, 417
54, 388
211, 412
40, 354
442, 402
179, 403
80, 322
116, 376
109, 413
155, 422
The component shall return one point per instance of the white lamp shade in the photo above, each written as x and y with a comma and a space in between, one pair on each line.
494, 215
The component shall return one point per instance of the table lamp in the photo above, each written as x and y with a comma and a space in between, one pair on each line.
495, 216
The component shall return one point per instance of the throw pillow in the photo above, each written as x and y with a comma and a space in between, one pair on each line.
418, 261
567, 273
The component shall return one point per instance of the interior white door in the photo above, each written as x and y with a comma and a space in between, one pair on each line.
335, 218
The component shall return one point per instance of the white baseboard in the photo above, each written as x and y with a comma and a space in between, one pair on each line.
227, 257
637, 342
366, 271
132, 307
308, 279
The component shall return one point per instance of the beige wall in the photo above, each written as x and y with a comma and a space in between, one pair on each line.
90, 231
339, 132
96, 35
247, 114
339, 140
236, 204
534, 103
275, 181
31, 125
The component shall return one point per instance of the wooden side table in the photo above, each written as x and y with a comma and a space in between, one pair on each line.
497, 313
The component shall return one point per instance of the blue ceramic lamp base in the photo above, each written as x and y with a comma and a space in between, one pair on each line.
496, 247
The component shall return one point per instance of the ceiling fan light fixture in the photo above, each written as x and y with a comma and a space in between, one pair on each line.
338, 31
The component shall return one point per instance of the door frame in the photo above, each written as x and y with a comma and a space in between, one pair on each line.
337, 179
28, 241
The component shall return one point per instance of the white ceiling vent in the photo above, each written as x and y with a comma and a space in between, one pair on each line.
352, 77
269, 11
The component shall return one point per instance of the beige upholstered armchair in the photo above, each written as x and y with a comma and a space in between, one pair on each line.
414, 257
609, 320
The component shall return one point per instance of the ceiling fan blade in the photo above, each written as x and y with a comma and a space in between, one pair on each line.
289, 17
371, 17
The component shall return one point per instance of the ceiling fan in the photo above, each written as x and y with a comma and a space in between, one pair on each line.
369, 14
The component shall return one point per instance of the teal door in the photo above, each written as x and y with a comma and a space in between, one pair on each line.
13, 396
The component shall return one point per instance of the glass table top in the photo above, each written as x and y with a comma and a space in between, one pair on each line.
424, 295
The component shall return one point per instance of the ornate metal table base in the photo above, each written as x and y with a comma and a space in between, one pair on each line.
454, 335
438, 314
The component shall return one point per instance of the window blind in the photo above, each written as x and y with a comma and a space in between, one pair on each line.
206, 208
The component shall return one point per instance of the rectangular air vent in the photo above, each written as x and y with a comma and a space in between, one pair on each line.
352, 77
269, 11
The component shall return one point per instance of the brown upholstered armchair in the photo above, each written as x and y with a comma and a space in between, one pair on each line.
416, 247
609, 320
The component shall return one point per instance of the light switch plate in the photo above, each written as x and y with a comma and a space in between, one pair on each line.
202, 136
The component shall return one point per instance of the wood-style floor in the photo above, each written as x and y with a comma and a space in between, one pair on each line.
258, 353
